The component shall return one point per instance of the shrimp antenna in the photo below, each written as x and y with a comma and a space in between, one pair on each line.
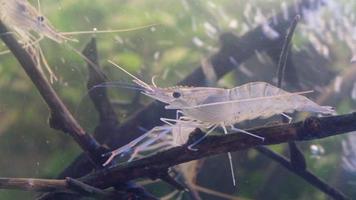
114, 84
136, 80
39, 6
109, 31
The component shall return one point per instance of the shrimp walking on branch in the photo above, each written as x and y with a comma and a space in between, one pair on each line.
214, 107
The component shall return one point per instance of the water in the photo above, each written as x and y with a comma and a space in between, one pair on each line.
187, 35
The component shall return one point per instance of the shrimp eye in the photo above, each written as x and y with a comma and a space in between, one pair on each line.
176, 95
40, 18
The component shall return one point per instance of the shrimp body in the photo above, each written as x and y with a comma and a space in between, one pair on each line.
247, 102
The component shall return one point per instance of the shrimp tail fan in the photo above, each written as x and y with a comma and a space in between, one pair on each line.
325, 110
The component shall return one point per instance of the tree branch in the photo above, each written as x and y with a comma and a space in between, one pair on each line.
108, 120
61, 118
29, 184
65, 186
310, 129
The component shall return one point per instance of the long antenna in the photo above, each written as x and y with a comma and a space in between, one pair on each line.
109, 31
39, 6
136, 80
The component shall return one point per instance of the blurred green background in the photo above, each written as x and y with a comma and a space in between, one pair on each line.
188, 32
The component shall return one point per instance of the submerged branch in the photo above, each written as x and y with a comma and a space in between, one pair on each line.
310, 129
30, 184
61, 118
64, 186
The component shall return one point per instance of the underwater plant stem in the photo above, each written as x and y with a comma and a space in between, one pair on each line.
61, 118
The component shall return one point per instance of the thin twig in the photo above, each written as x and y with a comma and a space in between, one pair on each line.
297, 158
85, 189
282, 63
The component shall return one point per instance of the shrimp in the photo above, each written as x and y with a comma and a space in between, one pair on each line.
158, 138
214, 107
21, 17
24, 19
161, 130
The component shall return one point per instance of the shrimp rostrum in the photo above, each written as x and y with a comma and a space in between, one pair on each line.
226, 107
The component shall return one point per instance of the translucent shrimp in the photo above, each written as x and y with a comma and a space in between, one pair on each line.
157, 139
24, 20
226, 107
213, 107
142, 147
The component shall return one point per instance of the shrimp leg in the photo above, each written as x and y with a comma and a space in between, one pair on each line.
148, 143
289, 118
125, 148
230, 159
233, 128
190, 147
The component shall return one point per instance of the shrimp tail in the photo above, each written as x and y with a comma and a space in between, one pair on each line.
325, 110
